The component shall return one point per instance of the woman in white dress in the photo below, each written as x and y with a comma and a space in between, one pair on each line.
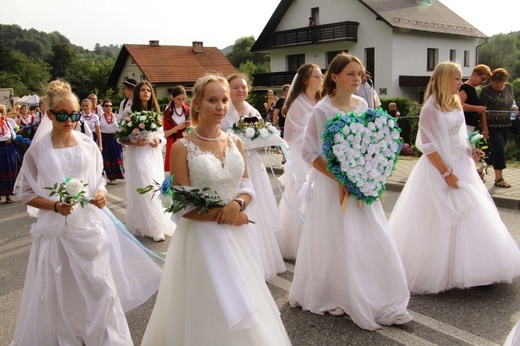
446, 226
143, 163
303, 96
212, 292
82, 274
347, 262
264, 209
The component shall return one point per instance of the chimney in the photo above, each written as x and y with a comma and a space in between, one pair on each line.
154, 43
198, 47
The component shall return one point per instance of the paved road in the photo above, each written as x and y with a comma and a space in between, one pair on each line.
477, 316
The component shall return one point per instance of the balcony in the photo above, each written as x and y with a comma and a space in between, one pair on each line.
274, 79
343, 31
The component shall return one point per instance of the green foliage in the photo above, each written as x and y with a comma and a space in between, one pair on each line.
502, 50
30, 59
246, 61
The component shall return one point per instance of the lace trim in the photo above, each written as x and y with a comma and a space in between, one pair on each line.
194, 150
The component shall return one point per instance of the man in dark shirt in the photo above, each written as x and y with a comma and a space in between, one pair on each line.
278, 117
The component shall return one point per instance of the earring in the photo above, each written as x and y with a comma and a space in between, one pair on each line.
196, 110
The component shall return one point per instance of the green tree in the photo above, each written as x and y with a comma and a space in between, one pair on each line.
502, 50
241, 53
60, 59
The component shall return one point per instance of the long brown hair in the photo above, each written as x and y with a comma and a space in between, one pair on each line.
137, 105
300, 85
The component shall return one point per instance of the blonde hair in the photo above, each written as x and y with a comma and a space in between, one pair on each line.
200, 88
57, 91
440, 87
3, 107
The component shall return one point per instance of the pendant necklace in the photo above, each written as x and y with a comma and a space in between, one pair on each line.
206, 139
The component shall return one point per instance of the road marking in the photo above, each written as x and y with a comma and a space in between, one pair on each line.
449, 330
398, 334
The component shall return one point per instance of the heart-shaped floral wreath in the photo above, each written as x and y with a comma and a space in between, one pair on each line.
361, 151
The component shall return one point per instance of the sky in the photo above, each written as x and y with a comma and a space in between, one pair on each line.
217, 23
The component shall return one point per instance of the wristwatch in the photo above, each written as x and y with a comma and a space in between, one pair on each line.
241, 202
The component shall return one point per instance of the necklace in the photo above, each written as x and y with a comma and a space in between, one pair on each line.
178, 114
109, 120
87, 117
207, 139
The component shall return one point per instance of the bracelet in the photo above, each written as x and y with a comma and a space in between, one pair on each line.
447, 173
56, 206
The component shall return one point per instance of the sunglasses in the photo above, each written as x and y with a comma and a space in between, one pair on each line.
62, 117
107, 106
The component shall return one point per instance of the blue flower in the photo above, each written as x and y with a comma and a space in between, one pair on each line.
327, 145
166, 185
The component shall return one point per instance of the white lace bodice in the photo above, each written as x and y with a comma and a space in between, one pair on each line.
208, 171
454, 123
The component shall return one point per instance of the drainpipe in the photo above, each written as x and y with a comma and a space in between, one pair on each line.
476, 50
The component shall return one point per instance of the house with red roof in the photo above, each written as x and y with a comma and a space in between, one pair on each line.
168, 66
399, 41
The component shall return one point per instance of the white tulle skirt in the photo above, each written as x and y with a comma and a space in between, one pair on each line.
188, 311
451, 238
514, 336
348, 260
80, 280
144, 215
291, 216
264, 211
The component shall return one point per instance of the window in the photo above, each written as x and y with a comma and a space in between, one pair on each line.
453, 55
466, 58
433, 58
370, 63
294, 62
331, 55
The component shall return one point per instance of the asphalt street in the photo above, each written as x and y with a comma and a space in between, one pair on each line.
476, 316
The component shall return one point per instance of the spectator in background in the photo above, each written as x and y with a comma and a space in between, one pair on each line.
406, 130
128, 89
176, 120
269, 105
112, 149
278, 116
474, 112
9, 161
311, 21
92, 121
499, 100
96, 108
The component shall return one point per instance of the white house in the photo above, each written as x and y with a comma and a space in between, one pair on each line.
399, 41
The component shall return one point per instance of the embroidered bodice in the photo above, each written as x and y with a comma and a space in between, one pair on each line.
454, 122
222, 177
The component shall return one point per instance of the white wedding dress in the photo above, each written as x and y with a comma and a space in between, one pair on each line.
345, 260
212, 292
84, 274
144, 214
263, 210
450, 238
293, 178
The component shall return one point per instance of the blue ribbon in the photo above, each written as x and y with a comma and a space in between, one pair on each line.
129, 235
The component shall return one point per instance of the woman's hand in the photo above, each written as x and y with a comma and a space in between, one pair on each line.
99, 199
242, 219
229, 213
343, 193
155, 142
64, 208
477, 154
452, 180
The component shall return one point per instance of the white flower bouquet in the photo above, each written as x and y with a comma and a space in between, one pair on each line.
478, 144
361, 151
257, 133
70, 191
139, 125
